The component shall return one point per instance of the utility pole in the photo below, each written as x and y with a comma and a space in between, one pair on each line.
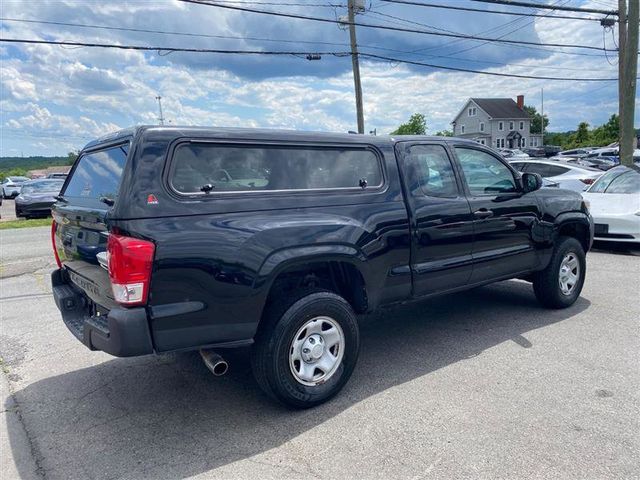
356, 65
542, 114
161, 119
628, 70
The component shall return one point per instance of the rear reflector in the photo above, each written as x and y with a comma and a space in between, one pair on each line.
130, 262
54, 225
587, 181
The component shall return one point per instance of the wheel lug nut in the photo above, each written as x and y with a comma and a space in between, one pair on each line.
312, 341
305, 350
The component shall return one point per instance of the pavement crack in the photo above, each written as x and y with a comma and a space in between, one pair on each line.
34, 451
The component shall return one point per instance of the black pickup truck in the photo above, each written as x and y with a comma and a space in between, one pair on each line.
173, 239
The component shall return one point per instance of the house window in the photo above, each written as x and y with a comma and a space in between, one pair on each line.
502, 143
500, 126
511, 126
461, 128
524, 142
482, 126
481, 141
521, 125
472, 111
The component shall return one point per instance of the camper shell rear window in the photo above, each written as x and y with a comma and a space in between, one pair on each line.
97, 174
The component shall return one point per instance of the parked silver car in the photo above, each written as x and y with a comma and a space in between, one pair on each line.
11, 186
566, 175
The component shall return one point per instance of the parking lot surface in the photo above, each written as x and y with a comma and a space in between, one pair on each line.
481, 384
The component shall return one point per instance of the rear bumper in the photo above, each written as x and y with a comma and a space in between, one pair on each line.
123, 332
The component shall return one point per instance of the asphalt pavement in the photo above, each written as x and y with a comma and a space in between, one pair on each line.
481, 384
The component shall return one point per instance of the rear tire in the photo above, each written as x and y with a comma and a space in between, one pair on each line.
306, 348
560, 283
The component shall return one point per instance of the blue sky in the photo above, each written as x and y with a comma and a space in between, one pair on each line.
55, 99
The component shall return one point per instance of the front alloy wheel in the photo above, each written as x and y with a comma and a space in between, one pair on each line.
569, 273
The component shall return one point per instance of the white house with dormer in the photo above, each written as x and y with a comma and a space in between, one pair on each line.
496, 122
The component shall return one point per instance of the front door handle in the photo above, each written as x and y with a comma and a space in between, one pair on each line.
483, 213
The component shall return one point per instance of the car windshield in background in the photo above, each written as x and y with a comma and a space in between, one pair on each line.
49, 186
97, 174
618, 180
18, 179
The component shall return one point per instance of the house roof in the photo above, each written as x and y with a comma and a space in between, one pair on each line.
500, 108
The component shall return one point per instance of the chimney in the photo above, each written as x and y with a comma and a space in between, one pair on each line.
521, 101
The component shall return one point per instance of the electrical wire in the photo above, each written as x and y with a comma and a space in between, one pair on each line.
515, 3
364, 46
442, 67
385, 27
297, 53
480, 10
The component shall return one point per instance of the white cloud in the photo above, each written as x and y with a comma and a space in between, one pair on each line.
71, 95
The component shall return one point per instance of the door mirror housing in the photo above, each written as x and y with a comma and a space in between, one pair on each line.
531, 182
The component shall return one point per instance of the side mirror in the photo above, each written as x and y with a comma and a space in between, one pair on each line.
531, 182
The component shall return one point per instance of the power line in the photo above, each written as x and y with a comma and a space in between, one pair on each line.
515, 3
164, 32
170, 49
286, 4
371, 47
480, 10
385, 27
496, 74
511, 31
262, 39
296, 53
510, 23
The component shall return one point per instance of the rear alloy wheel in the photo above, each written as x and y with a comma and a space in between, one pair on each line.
559, 285
316, 351
306, 348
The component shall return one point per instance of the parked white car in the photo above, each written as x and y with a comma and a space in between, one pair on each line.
11, 186
614, 203
513, 153
566, 175
575, 153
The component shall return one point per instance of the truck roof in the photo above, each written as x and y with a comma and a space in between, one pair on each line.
171, 132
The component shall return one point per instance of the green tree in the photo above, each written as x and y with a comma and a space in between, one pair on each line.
582, 135
444, 133
536, 119
71, 157
607, 133
417, 125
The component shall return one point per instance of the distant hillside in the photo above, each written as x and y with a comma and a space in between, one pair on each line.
31, 163
21, 165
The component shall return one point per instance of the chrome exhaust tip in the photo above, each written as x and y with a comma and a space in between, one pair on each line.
214, 362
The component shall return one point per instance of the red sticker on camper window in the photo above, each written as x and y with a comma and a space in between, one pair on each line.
151, 199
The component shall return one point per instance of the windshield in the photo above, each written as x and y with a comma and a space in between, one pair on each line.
17, 179
619, 180
52, 186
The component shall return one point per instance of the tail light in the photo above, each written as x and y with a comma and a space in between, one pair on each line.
54, 225
587, 181
130, 262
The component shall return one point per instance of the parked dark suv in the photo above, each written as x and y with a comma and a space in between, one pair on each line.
174, 238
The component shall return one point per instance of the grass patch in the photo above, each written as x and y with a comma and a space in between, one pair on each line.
33, 222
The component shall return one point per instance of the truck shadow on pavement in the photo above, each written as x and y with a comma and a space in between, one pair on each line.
167, 417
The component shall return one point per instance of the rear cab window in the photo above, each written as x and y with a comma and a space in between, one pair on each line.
97, 175
197, 167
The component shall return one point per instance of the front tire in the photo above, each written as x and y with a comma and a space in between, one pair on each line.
306, 348
560, 283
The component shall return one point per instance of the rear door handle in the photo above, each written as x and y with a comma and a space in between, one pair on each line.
483, 213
